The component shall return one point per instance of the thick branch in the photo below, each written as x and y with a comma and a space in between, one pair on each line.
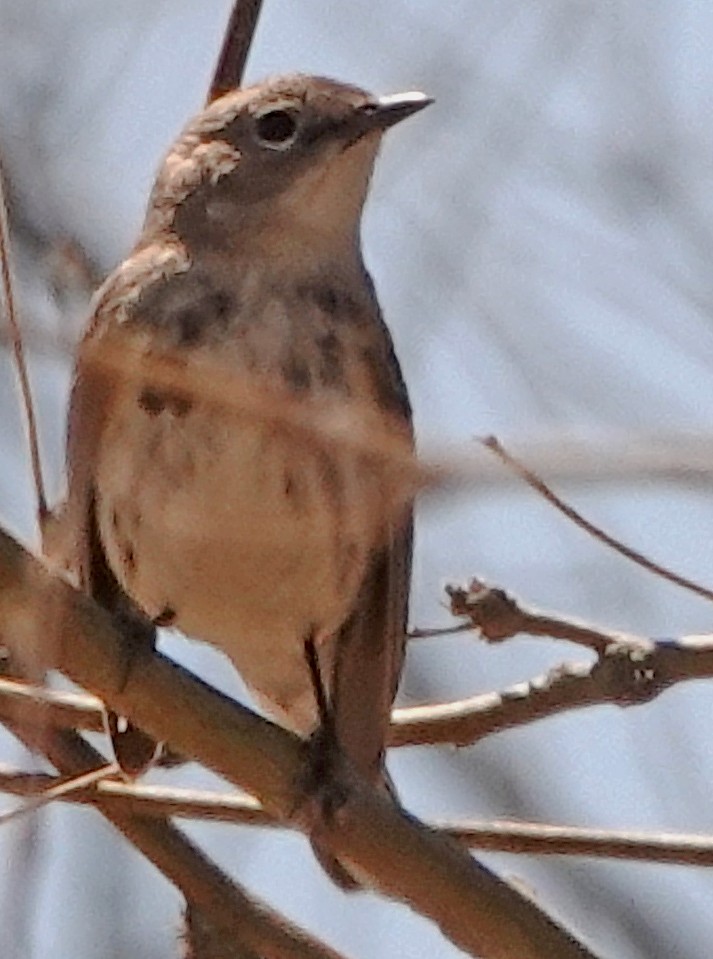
400, 856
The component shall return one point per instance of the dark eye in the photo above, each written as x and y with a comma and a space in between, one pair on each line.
276, 128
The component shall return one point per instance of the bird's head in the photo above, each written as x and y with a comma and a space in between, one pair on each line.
291, 151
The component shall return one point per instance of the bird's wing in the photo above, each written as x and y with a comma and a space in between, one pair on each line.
371, 644
97, 372
75, 542
366, 672
369, 656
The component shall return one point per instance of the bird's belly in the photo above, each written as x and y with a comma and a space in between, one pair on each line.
240, 534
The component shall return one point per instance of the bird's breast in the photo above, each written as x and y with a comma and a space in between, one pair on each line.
243, 531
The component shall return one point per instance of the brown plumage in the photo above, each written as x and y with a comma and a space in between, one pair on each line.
241, 531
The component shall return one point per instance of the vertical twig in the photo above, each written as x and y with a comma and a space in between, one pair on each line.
19, 354
236, 46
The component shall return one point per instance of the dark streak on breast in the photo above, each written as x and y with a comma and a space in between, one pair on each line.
155, 402
296, 373
345, 565
129, 559
294, 492
207, 316
331, 481
331, 360
334, 301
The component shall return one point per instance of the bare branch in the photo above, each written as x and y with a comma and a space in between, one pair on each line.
62, 789
538, 484
498, 616
404, 859
632, 671
140, 800
545, 840
495, 835
233, 914
623, 676
31, 705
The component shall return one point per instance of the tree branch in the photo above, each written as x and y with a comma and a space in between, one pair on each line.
403, 858
632, 671
233, 914
141, 800
529, 838
538, 484
31, 705
623, 677
498, 616
545, 840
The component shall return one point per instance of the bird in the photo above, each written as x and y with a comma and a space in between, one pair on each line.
186, 509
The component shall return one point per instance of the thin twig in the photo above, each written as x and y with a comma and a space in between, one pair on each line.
494, 835
538, 484
236, 45
546, 840
37, 705
517, 837
437, 631
60, 790
142, 800
13, 323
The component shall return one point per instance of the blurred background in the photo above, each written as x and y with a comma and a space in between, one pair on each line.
541, 240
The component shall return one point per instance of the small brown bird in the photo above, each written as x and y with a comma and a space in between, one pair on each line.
239, 530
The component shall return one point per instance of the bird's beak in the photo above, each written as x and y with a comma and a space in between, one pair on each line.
384, 112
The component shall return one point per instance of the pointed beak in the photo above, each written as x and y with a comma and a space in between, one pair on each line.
385, 112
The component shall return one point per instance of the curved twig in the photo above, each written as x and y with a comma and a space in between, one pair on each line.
533, 480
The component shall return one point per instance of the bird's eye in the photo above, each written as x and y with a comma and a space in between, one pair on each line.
276, 129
